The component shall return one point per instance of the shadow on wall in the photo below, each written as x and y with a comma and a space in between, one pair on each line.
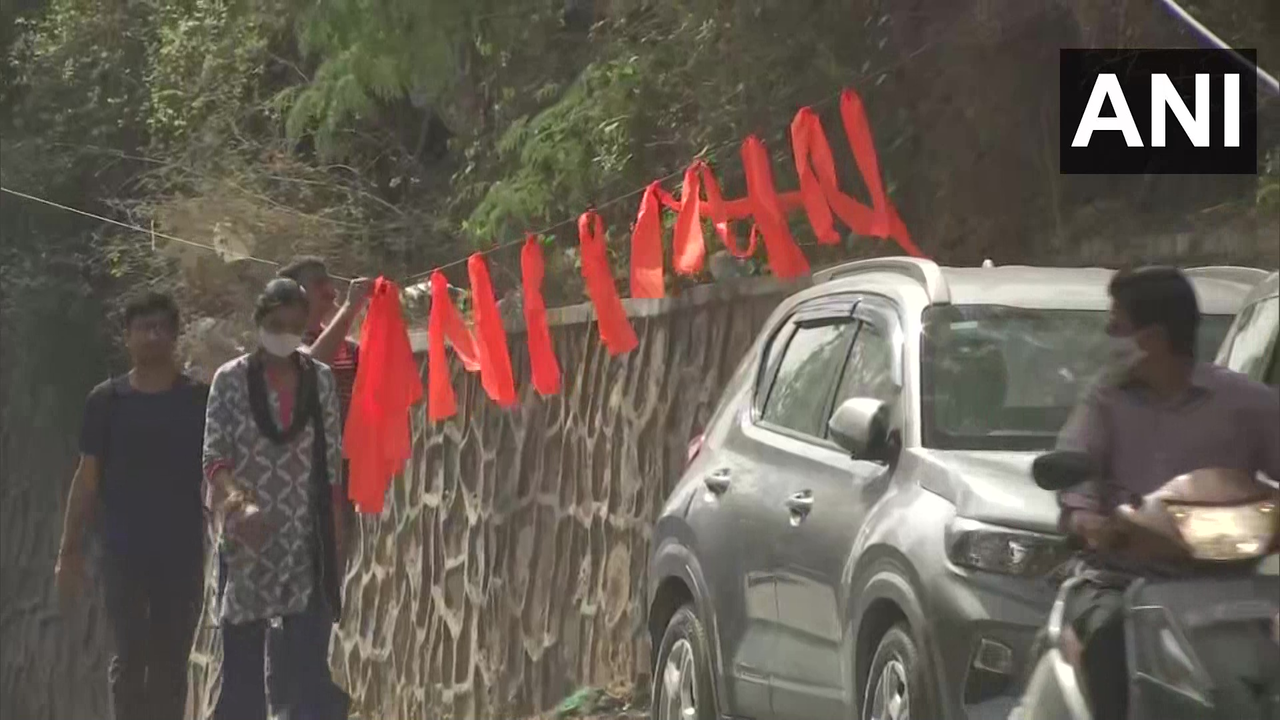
52, 664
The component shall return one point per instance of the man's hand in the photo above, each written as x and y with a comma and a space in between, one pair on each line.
1098, 531
69, 576
358, 292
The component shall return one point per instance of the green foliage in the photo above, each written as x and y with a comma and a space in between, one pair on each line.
76, 81
372, 52
659, 92
591, 702
565, 156
205, 62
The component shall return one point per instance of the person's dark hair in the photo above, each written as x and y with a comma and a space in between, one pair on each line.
1161, 296
280, 292
298, 268
151, 303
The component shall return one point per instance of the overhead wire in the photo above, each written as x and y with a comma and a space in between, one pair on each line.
153, 232
171, 238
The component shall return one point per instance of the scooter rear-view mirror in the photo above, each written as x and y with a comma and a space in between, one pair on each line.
1061, 469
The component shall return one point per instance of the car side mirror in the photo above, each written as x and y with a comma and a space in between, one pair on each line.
861, 426
1061, 469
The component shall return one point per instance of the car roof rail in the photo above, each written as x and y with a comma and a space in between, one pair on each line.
1230, 273
925, 272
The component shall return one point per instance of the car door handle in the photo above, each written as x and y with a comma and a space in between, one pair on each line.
718, 480
801, 503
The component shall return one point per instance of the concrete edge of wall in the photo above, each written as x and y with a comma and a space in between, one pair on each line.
656, 307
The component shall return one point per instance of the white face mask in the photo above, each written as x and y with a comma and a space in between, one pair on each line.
279, 344
1123, 355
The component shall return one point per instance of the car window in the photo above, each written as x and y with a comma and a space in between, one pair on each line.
1213, 331
807, 376
869, 371
1004, 378
769, 365
1255, 339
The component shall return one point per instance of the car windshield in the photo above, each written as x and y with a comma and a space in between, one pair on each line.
1005, 378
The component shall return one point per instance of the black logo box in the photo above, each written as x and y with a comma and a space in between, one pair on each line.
1107, 152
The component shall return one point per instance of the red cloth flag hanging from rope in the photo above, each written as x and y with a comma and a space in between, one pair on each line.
491, 345
858, 131
376, 438
646, 247
819, 195
885, 221
817, 171
785, 257
646, 242
611, 318
542, 357
441, 402
721, 213
689, 248
820, 190
359, 438
460, 337
446, 324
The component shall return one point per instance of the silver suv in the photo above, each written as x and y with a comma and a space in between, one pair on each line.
856, 535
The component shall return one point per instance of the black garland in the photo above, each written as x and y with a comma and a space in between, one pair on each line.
306, 396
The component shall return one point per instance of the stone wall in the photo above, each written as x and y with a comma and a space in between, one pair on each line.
52, 663
509, 565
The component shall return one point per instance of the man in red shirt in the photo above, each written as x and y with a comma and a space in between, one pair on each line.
330, 323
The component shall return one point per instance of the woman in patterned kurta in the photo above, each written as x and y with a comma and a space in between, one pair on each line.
261, 469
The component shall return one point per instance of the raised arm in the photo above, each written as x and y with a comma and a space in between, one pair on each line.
325, 348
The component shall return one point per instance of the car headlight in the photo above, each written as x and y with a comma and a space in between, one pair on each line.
980, 546
1237, 532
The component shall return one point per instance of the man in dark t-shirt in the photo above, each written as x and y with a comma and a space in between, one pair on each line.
138, 483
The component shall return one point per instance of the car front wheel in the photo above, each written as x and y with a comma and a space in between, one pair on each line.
897, 684
682, 687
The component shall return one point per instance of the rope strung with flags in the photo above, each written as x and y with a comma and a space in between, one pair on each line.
387, 382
